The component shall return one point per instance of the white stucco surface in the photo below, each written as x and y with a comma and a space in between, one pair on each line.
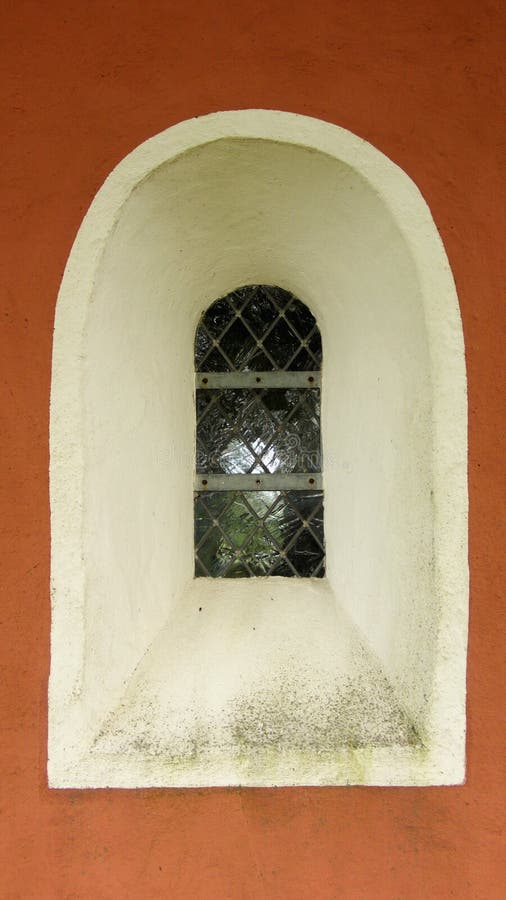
161, 679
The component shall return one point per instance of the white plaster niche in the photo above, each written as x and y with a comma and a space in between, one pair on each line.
160, 679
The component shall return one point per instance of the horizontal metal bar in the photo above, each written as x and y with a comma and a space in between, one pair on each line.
292, 481
278, 379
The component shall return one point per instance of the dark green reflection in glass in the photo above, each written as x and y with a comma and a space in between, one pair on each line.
245, 533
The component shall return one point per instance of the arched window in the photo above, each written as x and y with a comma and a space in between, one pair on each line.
258, 491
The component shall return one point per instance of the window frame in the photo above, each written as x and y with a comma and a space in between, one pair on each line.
279, 550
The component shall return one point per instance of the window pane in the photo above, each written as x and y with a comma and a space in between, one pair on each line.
242, 431
218, 316
250, 533
257, 328
300, 318
255, 431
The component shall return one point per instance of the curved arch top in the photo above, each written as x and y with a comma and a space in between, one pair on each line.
258, 197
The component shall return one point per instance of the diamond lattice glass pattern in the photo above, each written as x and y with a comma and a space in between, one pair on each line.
245, 431
239, 534
255, 431
258, 329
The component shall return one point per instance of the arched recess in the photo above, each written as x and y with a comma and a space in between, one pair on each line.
161, 679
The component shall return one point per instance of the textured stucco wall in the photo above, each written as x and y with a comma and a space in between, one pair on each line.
84, 86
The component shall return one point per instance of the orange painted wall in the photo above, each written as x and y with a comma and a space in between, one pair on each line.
82, 84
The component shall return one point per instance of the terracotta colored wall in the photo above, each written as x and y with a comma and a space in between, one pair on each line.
87, 82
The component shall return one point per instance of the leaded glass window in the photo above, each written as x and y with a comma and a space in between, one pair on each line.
258, 488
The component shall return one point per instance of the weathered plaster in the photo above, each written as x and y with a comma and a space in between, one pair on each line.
155, 678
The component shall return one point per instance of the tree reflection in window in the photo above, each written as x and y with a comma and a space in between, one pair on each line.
258, 496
